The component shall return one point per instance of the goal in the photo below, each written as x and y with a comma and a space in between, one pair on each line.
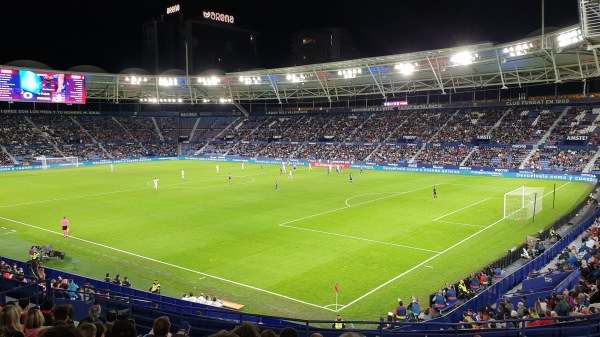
523, 203
59, 161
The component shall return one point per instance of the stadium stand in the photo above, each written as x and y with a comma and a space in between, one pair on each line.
451, 137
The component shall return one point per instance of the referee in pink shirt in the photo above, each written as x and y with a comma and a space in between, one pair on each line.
65, 226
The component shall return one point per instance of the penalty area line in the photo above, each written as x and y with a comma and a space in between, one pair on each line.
460, 223
170, 265
424, 263
359, 238
460, 209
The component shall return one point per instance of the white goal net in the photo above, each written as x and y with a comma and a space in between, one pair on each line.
60, 161
523, 203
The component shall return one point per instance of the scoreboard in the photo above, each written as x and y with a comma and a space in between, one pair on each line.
41, 86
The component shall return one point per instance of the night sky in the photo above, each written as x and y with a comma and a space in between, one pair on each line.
108, 33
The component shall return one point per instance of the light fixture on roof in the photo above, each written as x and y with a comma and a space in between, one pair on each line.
349, 73
463, 58
406, 68
250, 80
136, 79
295, 78
167, 81
209, 81
569, 37
149, 100
518, 49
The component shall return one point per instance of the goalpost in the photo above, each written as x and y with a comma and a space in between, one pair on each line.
523, 203
61, 161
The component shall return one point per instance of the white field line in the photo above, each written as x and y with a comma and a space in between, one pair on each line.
460, 209
283, 225
469, 185
171, 265
7, 231
431, 258
344, 208
149, 184
389, 196
460, 223
359, 238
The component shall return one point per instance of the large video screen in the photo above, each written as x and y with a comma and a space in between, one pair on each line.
41, 86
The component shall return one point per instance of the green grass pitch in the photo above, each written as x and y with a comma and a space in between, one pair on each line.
277, 252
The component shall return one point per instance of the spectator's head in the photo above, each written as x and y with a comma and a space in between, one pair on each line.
86, 319
246, 329
124, 328
111, 316
47, 305
10, 318
352, 334
87, 329
161, 325
95, 310
70, 310
61, 314
100, 329
288, 332
35, 319
24, 304
271, 333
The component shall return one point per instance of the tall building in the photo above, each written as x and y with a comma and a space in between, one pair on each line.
323, 45
212, 41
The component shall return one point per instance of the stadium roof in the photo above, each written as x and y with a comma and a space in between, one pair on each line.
541, 59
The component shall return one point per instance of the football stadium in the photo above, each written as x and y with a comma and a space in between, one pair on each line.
391, 204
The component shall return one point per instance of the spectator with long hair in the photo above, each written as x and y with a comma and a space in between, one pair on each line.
10, 325
33, 323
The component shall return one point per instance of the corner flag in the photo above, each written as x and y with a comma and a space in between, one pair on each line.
337, 291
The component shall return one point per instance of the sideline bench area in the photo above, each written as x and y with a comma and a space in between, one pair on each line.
449, 305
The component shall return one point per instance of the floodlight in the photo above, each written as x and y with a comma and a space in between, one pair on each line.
213, 80
569, 37
250, 80
349, 73
462, 58
135, 79
405, 68
517, 49
167, 81
295, 78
